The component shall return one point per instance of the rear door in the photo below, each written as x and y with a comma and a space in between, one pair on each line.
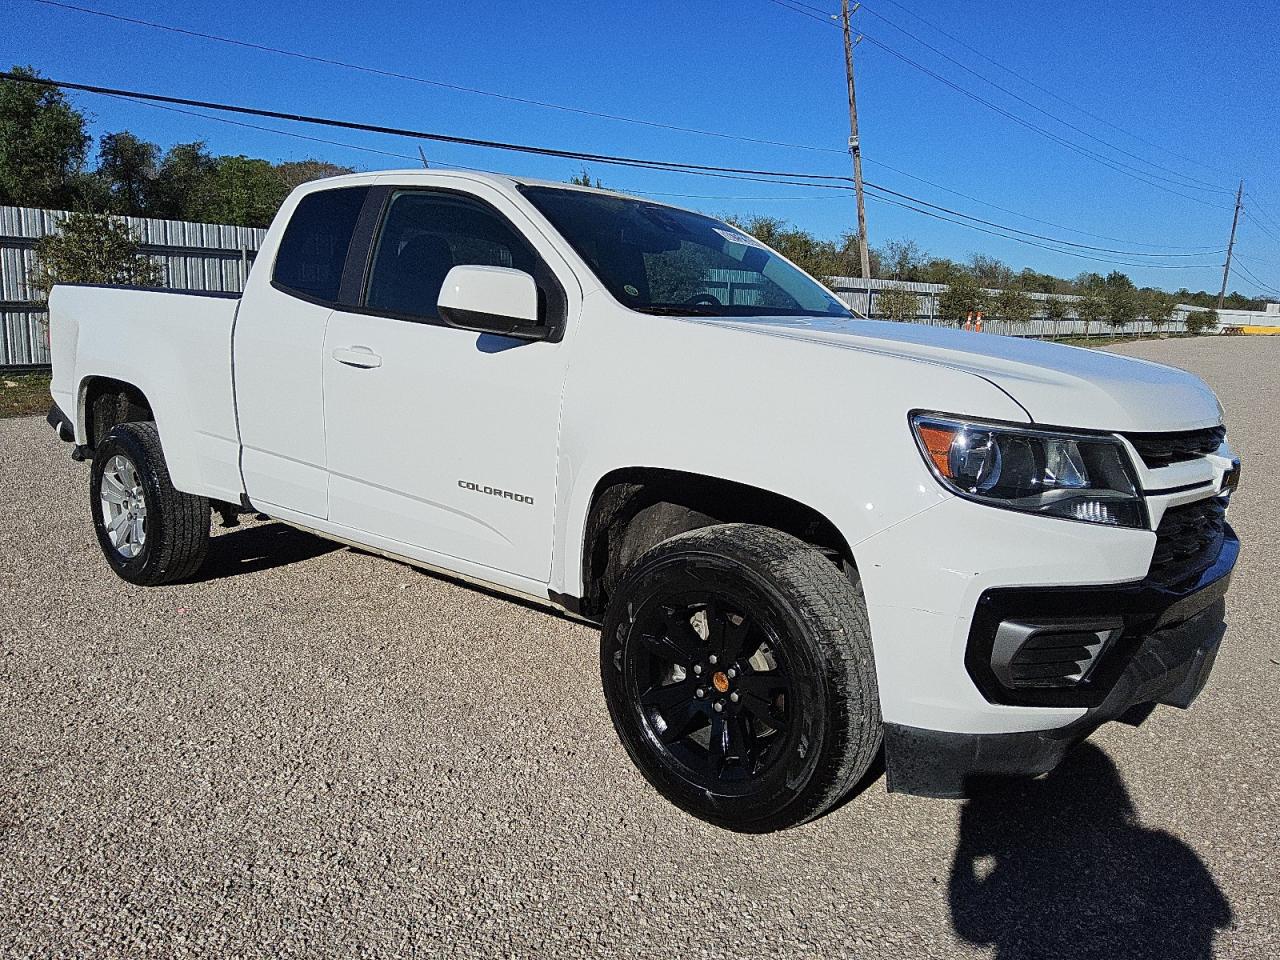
442, 442
279, 337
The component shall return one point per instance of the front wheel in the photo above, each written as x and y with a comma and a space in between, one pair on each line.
738, 671
149, 532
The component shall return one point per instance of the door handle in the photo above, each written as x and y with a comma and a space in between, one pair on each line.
357, 356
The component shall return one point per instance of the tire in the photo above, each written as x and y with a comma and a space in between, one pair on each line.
776, 637
165, 535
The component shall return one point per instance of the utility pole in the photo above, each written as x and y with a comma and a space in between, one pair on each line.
1226, 267
854, 147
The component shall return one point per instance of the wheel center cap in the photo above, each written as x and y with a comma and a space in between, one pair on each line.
720, 682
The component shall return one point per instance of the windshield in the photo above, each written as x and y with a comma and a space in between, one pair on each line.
658, 259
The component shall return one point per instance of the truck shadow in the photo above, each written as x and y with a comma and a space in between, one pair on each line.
1060, 868
260, 547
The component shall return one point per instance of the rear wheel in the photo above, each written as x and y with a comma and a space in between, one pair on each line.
149, 532
738, 671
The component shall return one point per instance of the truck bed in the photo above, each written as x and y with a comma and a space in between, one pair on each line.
174, 346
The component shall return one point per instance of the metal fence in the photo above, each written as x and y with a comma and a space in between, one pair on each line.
192, 256
864, 295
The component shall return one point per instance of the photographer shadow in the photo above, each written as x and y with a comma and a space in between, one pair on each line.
1060, 868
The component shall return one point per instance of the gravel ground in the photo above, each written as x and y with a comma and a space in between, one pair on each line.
317, 752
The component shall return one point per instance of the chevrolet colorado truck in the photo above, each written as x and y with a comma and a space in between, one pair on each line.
807, 537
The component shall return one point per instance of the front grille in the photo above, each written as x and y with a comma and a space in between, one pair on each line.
1188, 540
1161, 449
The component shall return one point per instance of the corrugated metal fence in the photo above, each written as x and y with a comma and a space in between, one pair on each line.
193, 256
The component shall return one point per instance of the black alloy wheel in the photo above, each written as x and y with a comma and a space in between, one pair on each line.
737, 667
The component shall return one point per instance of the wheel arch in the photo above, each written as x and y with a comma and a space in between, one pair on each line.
102, 402
633, 508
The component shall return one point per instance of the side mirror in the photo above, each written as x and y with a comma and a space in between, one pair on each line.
495, 300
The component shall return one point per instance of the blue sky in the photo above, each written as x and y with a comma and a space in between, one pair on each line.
1200, 80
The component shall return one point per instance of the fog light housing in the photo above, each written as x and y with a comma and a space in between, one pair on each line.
1057, 654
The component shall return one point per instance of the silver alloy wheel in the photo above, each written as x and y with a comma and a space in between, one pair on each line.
124, 508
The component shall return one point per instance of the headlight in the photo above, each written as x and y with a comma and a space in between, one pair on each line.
1071, 475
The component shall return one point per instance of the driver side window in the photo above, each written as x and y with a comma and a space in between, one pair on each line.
423, 236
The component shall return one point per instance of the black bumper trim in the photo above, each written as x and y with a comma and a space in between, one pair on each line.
1143, 607
1171, 669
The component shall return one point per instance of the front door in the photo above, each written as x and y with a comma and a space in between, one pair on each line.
442, 441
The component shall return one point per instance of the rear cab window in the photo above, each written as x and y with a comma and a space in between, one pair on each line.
313, 251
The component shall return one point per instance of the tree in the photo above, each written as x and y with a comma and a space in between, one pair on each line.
183, 183
243, 191
1013, 306
583, 179
900, 259
1055, 310
127, 170
1157, 307
990, 272
897, 303
1092, 305
91, 248
1121, 298
42, 145
1202, 321
821, 258
294, 173
962, 297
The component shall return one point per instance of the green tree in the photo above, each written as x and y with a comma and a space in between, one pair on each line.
1013, 306
42, 145
897, 303
127, 170
962, 297
1121, 298
1202, 321
1157, 306
1055, 310
294, 173
820, 258
183, 183
583, 179
1091, 307
900, 259
91, 248
243, 191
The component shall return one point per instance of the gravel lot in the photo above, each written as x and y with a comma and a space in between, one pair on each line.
317, 752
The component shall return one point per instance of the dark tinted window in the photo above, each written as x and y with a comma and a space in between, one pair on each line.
313, 249
659, 259
424, 236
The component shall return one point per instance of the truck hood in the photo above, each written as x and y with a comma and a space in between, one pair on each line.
1056, 384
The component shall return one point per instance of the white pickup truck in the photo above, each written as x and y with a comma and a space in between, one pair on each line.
807, 536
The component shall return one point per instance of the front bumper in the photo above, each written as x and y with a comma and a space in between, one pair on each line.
1170, 642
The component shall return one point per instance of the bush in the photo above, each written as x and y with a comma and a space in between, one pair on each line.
898, 304
1202, 321
91, 248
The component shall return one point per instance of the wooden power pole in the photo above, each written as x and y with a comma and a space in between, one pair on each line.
1226, 267
854, 147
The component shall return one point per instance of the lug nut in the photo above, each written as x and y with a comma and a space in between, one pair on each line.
712, 659
699, 693
731, 673
697, 669
734, 696
717, 706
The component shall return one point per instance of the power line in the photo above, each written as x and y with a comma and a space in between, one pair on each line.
1194, 182
1027, 216
1043, 246
786, 178
1045, 90
1135, 173
1037, 236
378, 71
422, 135
1256, 282
1258, 223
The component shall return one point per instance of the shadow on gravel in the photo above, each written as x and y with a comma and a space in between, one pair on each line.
1060, 868
260, 547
